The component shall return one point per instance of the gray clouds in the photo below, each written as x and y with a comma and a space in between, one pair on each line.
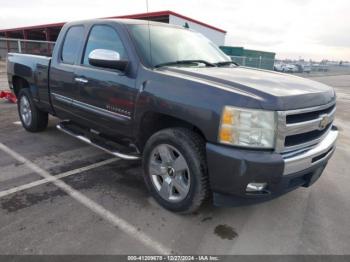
314, 29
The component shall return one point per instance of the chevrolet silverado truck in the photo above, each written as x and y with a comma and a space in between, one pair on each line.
204, 127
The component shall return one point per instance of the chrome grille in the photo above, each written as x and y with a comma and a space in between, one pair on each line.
302, 128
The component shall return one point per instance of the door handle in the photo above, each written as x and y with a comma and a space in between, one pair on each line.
81, 80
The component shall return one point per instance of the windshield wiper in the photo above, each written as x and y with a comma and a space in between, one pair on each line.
226, 63
185, 62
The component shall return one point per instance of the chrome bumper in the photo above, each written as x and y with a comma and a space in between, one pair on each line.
321, 152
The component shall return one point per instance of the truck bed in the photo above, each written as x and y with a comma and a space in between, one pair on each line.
32, 70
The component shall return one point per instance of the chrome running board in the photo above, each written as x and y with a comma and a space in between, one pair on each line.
62, 127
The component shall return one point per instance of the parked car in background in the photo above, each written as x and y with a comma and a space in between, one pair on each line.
323, 68
278, 67
299, 68
320, 67
306, 68
290, 68
303, 68
286, 68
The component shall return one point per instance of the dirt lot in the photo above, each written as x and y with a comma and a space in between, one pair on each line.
89, 203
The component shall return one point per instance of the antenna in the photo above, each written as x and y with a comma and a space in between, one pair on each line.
149, 34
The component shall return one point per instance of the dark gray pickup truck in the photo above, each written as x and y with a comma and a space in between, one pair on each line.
202, 125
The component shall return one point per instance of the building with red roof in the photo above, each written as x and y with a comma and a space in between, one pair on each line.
49, 32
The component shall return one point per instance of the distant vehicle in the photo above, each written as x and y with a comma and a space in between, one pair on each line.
320, 67
323, 68
306, 68
299, 68
303, 68
289, 68
202, 125
279, 67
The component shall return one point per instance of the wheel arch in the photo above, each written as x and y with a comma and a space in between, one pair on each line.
18, 84
151, 122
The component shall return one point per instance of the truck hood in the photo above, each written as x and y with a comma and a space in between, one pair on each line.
273, 90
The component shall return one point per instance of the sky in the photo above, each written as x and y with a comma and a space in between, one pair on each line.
309, 29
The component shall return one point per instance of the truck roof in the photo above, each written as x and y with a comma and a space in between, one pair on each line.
125, 21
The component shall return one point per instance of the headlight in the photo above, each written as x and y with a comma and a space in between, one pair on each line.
247, 127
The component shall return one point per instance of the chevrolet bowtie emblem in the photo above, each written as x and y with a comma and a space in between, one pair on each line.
324, 121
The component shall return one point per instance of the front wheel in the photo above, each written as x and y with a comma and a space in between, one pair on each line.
32, 118
175, 169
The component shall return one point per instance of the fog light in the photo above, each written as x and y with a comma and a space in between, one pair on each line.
255, 187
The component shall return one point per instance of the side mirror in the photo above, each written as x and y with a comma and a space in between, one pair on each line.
107, 59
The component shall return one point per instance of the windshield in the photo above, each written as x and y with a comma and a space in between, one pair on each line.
165, 44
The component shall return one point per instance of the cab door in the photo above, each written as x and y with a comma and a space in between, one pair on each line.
63, 86
106, 96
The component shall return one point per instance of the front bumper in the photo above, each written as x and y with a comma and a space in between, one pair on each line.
232, 169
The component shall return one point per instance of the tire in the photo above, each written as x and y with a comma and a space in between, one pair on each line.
184, 176
32, 118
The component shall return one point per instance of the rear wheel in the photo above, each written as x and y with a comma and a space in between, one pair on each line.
32, 118
175, 169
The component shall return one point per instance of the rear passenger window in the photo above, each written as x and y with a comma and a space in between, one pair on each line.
72, 43
103, 37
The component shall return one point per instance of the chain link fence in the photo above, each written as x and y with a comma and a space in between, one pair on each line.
3, 76
301, 68
34, 47
256, 62
45, 48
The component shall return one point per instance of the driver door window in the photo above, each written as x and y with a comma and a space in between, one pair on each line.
103, 37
